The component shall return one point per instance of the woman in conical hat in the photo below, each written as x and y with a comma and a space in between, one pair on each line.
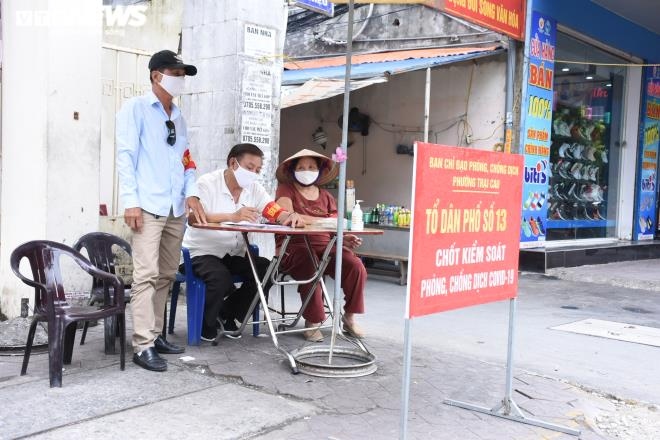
299, 178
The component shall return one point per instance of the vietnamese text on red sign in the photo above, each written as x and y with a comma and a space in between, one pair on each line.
475, 260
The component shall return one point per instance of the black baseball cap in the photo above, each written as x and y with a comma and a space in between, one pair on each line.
166, 59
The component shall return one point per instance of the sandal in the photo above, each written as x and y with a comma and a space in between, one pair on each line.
353, 330
313, 334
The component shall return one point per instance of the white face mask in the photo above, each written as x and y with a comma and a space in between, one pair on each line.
244, 177
306, 177
174, 85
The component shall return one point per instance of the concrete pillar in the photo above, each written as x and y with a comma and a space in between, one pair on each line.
237, 47
50, 139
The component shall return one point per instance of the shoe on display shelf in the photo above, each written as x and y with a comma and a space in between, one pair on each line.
585, 132
541, 201
590, 129
527, 230
599, 195
563, 169
589, 212
589, 154
570, 194
563, 214
539, 223
584, 213
538, 201
561, 128
576, 151
528, 202
575, 170
535, 229
554, 215
553, 190
642, 224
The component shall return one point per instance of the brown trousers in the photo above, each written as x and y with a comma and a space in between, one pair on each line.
156, 255
353, 277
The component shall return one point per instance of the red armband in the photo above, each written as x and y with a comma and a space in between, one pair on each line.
272, 211
188, 163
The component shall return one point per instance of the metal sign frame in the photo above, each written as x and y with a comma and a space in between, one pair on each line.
325, 7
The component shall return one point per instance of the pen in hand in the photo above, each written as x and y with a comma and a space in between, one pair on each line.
246, 213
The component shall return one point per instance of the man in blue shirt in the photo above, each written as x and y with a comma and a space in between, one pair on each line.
158, 191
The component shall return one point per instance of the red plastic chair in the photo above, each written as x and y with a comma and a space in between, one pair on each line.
51, 306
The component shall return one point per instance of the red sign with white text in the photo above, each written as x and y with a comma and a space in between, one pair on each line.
504, 16
465, 228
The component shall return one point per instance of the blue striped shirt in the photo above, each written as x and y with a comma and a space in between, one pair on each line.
151, 172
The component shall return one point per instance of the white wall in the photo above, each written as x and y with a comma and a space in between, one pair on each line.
213, 40
125, 74
397, 110
50, 160
160, 29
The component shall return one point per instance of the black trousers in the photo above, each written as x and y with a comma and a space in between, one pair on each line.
223, 299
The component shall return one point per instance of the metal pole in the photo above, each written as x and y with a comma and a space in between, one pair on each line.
525, 73
427, 104
341, 198
405, 386
507, 408
509, 357
510, 71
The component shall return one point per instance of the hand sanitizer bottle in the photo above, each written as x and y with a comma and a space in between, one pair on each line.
357, 221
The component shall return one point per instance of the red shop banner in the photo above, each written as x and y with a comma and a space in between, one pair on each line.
465, 228
504, 16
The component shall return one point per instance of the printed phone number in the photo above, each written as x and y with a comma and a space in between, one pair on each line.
256, 139
256, 105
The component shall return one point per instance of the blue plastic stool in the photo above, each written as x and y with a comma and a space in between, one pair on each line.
195, 298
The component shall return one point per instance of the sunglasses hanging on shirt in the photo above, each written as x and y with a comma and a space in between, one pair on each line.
171, 132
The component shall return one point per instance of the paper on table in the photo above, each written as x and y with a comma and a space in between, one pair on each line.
328, 223
255, 225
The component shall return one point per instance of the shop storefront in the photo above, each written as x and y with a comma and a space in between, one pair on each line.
590, 170
584, 153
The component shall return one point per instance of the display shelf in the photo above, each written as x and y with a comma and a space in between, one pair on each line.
392, 227
560, 138
572, 159
568, 224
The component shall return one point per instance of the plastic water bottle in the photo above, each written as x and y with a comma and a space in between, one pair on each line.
350, 196
357, 221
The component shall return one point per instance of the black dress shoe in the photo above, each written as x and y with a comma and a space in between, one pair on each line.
149, 360
164, 347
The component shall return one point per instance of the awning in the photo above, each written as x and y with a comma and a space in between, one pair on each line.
317, 89
369, 66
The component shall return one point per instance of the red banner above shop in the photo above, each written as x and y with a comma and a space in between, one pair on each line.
465, 231
503, 16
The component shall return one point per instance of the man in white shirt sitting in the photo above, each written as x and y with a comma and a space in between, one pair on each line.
231, 194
